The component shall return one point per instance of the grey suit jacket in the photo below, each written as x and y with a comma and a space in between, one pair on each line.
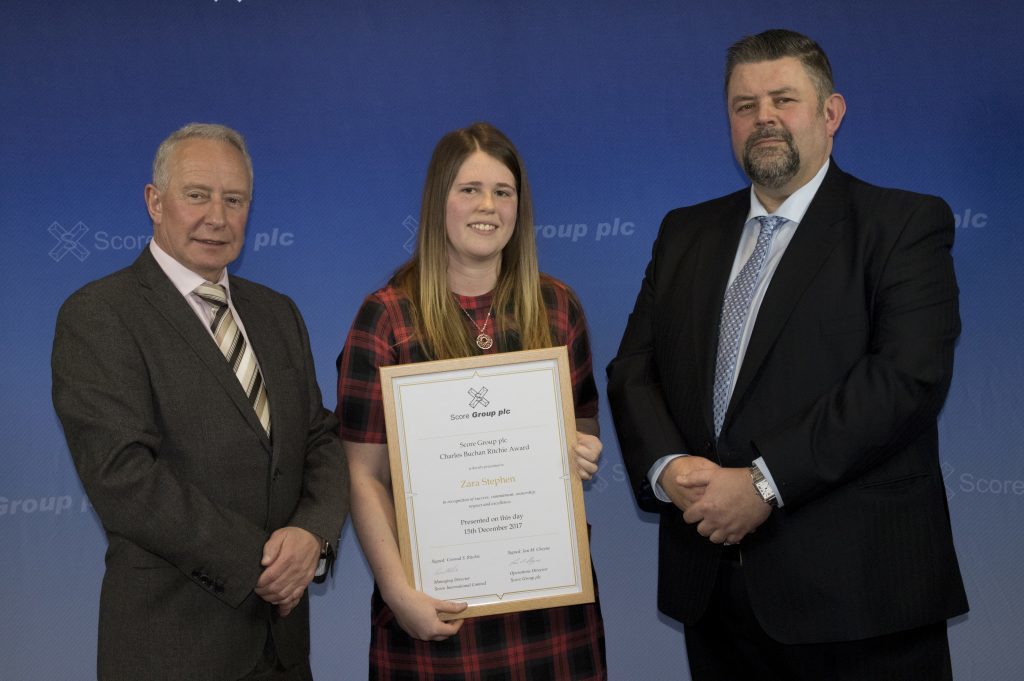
185, 481
847, 368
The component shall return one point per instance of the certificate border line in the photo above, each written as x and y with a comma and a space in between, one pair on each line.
504, 598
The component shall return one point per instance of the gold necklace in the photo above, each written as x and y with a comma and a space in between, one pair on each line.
483, 341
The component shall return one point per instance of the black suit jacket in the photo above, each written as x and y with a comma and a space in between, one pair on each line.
185, 480
846, 371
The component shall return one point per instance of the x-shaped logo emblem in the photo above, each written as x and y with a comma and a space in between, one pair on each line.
410, 223
478, 397
68, 241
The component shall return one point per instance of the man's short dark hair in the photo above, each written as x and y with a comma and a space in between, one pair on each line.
777, 43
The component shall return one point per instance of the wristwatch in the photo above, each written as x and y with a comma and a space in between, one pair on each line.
326, 564
763, 487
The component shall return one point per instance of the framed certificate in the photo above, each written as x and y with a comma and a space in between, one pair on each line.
487, 497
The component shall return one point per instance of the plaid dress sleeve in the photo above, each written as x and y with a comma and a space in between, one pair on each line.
379, 337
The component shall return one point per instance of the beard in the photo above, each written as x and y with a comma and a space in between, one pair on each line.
769, 166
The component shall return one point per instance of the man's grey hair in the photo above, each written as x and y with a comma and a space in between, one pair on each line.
205, 131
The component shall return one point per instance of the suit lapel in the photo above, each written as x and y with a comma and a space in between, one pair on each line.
168, 302
815, 238
266, 344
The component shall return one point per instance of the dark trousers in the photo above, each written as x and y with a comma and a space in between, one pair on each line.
728, 644
269, 667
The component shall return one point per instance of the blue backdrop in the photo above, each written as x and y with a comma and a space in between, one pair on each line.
616, 107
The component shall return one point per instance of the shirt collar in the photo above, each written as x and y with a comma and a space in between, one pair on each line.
794, 207
184, 279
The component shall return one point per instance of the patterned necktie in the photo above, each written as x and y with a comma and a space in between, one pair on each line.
238, 353
734, 314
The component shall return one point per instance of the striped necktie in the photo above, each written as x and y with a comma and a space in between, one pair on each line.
237, 352
734, 316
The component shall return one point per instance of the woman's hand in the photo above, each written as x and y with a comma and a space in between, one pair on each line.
588, 451
373, 515
417, 614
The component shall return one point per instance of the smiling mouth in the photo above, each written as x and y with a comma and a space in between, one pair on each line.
482, 227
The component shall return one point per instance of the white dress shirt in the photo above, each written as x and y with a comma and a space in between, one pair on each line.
187, 281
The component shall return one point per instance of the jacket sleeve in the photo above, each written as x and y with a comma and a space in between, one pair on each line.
645, 428
323, 505
894, 392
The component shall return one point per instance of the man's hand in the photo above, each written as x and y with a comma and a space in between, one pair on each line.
684, 496
729, 508
289, 560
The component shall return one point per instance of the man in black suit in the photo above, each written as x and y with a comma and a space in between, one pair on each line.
776, 395
190, 405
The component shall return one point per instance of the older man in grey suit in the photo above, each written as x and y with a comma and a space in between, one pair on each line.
191, 409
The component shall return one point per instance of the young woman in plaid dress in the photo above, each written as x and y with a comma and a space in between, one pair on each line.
471, 287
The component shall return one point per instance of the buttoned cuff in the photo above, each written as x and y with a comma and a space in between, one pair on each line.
655, 472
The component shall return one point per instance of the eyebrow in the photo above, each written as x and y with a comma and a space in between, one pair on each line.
208, 188
771, 93
478, 183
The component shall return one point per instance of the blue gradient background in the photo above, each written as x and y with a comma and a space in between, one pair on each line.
616, 107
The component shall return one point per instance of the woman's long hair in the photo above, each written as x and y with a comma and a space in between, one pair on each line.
518, 305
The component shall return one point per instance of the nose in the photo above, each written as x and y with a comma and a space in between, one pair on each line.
216, 215
766, 114
486, 202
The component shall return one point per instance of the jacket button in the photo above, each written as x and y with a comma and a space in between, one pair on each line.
277, 473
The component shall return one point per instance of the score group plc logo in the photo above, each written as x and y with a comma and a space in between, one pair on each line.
68, 241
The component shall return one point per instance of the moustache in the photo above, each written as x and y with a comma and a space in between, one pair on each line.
768, 133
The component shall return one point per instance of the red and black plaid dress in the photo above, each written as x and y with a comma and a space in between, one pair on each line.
554, 643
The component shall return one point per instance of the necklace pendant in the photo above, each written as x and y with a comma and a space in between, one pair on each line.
483, 341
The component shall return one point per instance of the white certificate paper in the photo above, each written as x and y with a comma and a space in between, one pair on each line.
487, 497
